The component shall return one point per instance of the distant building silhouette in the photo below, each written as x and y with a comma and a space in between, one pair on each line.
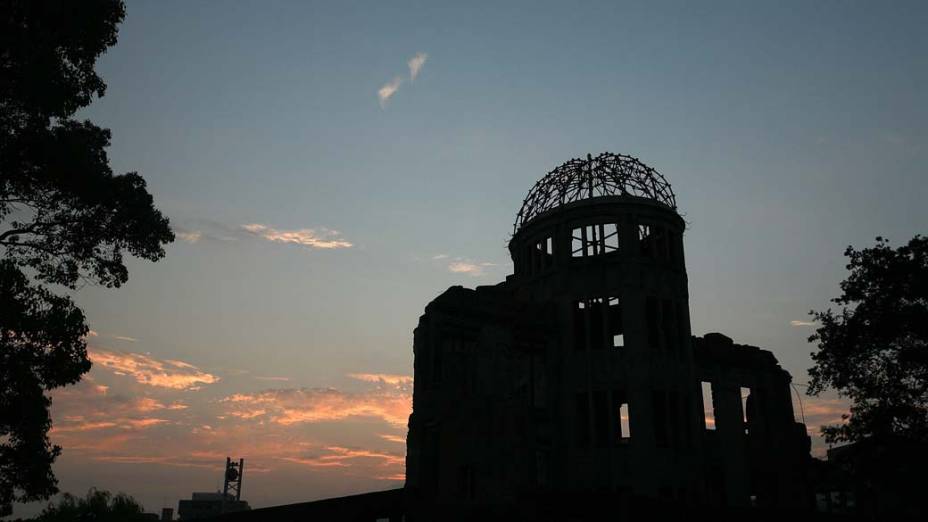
845, 482
209, 505
578, 374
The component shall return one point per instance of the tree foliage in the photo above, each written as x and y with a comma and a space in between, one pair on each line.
874, 350
65, 219
97, 505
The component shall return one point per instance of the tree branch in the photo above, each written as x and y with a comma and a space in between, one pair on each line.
17, 231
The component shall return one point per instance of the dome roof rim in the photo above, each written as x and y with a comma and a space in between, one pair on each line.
605, 175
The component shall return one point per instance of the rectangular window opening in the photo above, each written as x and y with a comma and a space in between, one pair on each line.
542, 253
745, 401
616, 328
595, 237
708, 406
611, 237
593, 240
576, 243
645, 240
625, 432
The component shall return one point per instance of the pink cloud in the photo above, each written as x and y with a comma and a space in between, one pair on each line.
299, 405
146, 369
399, 439
322, 238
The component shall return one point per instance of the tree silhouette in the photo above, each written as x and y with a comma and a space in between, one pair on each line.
97, 505
65, 219
874, 351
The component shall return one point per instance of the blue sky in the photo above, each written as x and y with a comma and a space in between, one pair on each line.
788, 130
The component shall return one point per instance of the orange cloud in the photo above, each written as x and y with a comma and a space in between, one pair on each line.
339, 456
89, 407
132, 422
78, 424
291, 406
379, 465
146, 404
383, 378
148, 370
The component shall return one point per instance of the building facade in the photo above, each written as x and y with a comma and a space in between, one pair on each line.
579, 375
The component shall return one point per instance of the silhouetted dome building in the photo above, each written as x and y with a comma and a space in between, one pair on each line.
575, 387
578, 375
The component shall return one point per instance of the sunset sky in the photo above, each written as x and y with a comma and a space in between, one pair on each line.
329, 168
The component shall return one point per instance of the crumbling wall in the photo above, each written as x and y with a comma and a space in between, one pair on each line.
755, 452
480, 399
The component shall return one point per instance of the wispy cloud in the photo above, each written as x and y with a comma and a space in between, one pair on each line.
383, 378
124, 338
190, 236
81, 425
399, 439
198, 230
322, 238
796, 322
470, 268
272, 378
339, 456
388, 90
415, 64
146, 369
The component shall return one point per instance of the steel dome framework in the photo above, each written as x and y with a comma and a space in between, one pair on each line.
605, 175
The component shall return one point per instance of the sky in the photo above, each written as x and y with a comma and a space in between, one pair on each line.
329, 168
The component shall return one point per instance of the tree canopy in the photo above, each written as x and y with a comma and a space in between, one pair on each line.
65, 219
97, 505
874, 350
